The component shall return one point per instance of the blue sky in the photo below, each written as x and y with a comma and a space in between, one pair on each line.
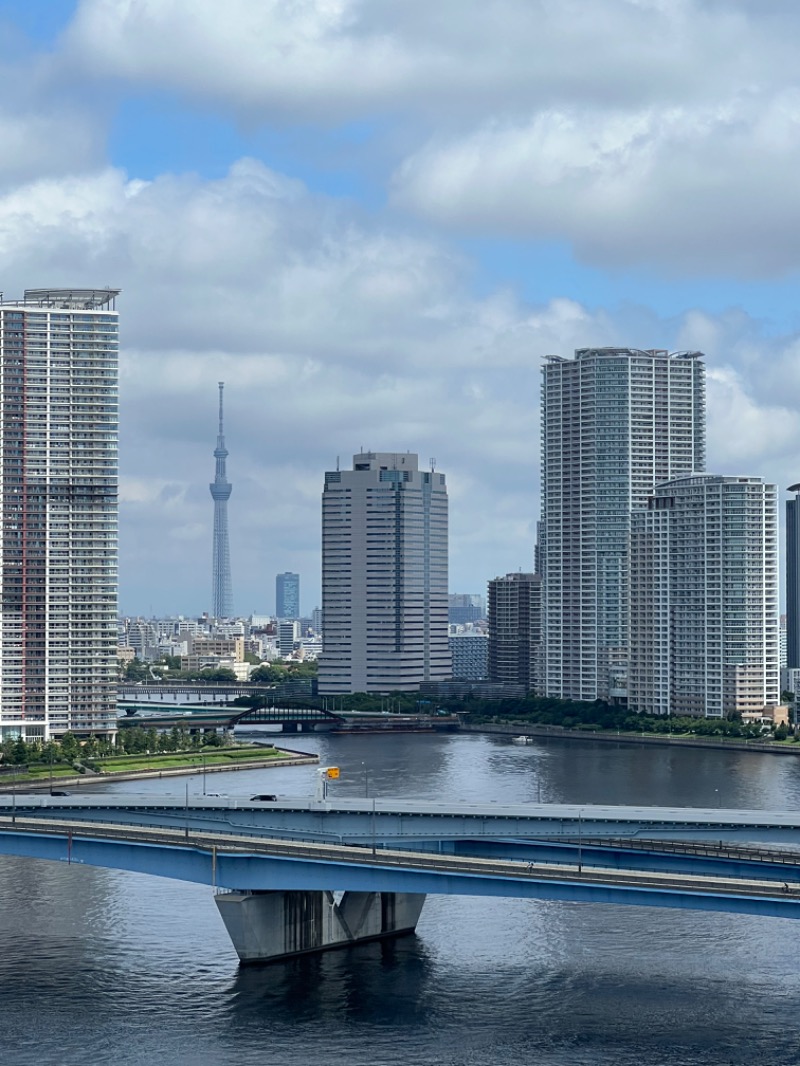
373, 219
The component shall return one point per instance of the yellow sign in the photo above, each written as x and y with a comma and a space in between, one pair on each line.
332, 772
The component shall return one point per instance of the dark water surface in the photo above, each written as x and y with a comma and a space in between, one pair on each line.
101, 966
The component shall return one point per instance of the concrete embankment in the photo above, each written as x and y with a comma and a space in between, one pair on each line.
516, 729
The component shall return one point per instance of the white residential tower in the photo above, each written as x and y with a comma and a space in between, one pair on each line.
615, 422
704, 598
58, 496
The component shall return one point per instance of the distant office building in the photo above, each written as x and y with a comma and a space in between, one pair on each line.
793, 579
384, 576
204, 651
470, 656
463, 608
288, 636
316, 620
58, 498
615, 422
515, 630
704, 598
287, 595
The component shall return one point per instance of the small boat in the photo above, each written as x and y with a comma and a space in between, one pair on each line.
522, 740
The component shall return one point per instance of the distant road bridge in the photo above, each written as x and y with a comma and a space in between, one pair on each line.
281, 860
205, 717
288, 718
211, 692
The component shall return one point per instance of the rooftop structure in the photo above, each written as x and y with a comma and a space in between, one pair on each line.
74, 299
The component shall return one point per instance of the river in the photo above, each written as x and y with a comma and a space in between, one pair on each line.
104, 966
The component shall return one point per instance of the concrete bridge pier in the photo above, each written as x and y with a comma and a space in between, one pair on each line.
268, 926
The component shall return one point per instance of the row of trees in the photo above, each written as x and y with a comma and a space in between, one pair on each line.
603, 716
133, 740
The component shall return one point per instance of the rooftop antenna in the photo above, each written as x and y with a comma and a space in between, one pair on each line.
433, 464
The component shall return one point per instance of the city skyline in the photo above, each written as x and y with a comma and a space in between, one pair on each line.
388, 257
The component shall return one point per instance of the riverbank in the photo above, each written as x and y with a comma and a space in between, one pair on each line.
286, 757
516, 729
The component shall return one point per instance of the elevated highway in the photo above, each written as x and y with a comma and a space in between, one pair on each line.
390, 822
280, 862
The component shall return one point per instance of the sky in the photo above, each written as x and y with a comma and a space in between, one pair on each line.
372, 218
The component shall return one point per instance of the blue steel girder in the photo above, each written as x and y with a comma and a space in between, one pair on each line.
239, 870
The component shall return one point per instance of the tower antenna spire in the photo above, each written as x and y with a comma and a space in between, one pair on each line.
221, 489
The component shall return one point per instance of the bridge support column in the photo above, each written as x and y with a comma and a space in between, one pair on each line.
267, 926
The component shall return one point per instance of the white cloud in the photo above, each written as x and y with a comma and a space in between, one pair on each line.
45, 128
639, 131
693, 190
332, 330
340, 59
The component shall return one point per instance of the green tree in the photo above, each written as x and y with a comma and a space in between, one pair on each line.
69, 747
136, 670
266, 674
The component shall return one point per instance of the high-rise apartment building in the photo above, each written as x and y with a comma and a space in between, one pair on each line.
287, 596
615, 422
58, 497
704, 598
221, 489
515, 630
384, 576
793, 579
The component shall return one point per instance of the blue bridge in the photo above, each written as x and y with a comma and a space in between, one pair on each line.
296, 875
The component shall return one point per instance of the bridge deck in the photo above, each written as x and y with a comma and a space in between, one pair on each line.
392, 821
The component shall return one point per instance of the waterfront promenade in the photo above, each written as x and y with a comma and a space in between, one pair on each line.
522, 728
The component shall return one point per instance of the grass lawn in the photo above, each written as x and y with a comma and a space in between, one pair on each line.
174, 760
39, 772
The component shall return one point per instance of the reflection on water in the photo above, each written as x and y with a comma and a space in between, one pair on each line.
140, 970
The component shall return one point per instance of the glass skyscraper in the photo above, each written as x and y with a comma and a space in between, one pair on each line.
58, 497
287, 596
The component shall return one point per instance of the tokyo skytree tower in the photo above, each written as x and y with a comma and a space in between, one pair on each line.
221, 490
